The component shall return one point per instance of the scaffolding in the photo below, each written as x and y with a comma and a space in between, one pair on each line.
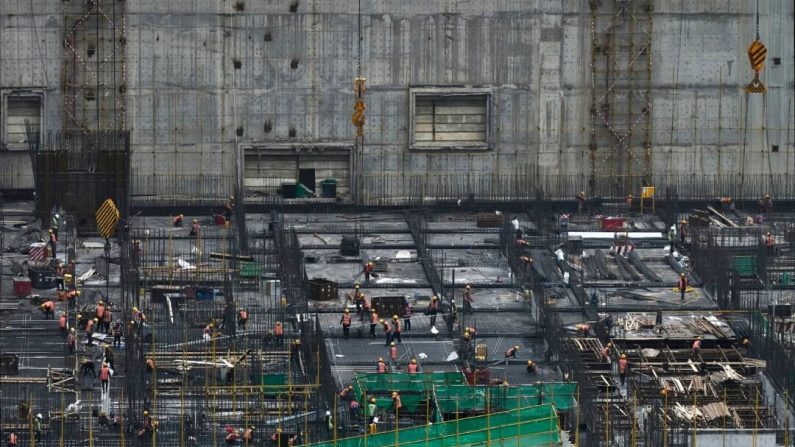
621, 62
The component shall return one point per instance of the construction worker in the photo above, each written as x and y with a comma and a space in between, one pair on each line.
372, 408
682, 232
433, 309
63, 324
747, 345
90, 331
622, 368
229, 208
87, 366
628, 201
242, 318
53, 242
108, 357
658, 321
373, 322
387, 331
380, 367
354, 407
412, 368
117, 331
150, 364
177, 220
100, 314
393, 352
583, 328
278, 332
696, 348
581, 202
396, 332
276, 438
468, 300
248, 435
396, 401
682, 286
365, 306
770, 243
138, 316
766, 204
104, 377
511, 353
531, 367
12, 439
194, 228
207, 333
346, 323
107, 318
231, 435
295, 350
37, 427
71, 341
368, 270
407, 315
671, 239
55, 222
607, 351
346, 393
59, 278
71, 298
48, 308
137, 253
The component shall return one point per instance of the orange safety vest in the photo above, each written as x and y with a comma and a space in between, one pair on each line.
510, 352
397, 326
770, 241
697, 345
278, 330
53, 239
247, 435
434, 305
622, 365
243, 315
368, 268
100, 311
62, 322
90, 326
207, 330
412, 368
71, 339
393, 352
387, 327
12, 439
107, 317
682, 284
117, 329
104, 374
605, 352
150, 363
49, 305
59, 272
373, 318
398, 405
467, 297
381, 367
346, 320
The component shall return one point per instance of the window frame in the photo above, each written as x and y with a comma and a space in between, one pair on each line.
441, 92
5, 96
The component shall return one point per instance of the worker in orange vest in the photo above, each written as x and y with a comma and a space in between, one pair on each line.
71, 341
622, 368
12, 439
387, 331
368, 270
380, 366
393, 352
248, 435
71, 298
117, 330
413, 367
346, 323
467, 300
682, 285
107, 318
373, 322
59, 278
511, 353
581, 202
100, 315
194, 228
229, 208
177, 221
365, 307
396, 401
407, 315
150, 364
104, 377
242, 318
53, 242
62, 324
90, 331
433, 309
278, 332
48, 307
396, 332
696, 348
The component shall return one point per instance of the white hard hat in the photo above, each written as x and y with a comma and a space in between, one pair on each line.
328, 413
39, 416
57, 216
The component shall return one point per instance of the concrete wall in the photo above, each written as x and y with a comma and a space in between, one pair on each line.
186, 99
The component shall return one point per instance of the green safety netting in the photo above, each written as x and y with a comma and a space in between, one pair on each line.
532, 426
413, 388
463, 398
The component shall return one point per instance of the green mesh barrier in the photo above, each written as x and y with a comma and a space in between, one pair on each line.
531, 426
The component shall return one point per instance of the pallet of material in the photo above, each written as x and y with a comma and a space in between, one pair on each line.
490, 220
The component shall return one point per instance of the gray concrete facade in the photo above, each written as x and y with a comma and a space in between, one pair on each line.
189, 108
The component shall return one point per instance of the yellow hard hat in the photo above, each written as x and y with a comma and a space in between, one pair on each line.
181, 215
414, 361
101, 302
530, 363
467, 286
73, 329
516, 347
623, 356
380, 359
392, 344
135, 309
372, 311
77, 292
350, 387
394, 317
42, 306
394, 394
357, 285
96, 320
682, 274
347, 311
466, 335
381, 320
434, 298
195, 220
278, 323
372, 399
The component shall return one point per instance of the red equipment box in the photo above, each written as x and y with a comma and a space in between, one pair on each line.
22, 287
612, 223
